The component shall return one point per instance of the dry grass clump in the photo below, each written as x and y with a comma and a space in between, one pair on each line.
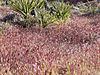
70, 49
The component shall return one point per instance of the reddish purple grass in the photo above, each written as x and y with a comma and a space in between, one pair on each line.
77, 42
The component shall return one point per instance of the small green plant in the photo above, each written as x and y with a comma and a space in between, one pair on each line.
24, 7
44, 18
89, 7
62, 10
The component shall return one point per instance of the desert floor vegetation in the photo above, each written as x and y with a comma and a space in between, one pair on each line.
38, 37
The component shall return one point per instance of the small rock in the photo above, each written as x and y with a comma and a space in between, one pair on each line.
9, 17
76, 11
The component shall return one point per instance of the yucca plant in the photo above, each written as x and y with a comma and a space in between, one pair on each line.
44, 18
24, 7
62, 10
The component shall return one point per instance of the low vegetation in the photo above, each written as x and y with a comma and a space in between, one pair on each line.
44, 13
52, 40
89, 7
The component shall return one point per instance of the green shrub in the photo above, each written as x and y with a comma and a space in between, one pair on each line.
24, 7
89, 7
62, 10
58, 12
44, 17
